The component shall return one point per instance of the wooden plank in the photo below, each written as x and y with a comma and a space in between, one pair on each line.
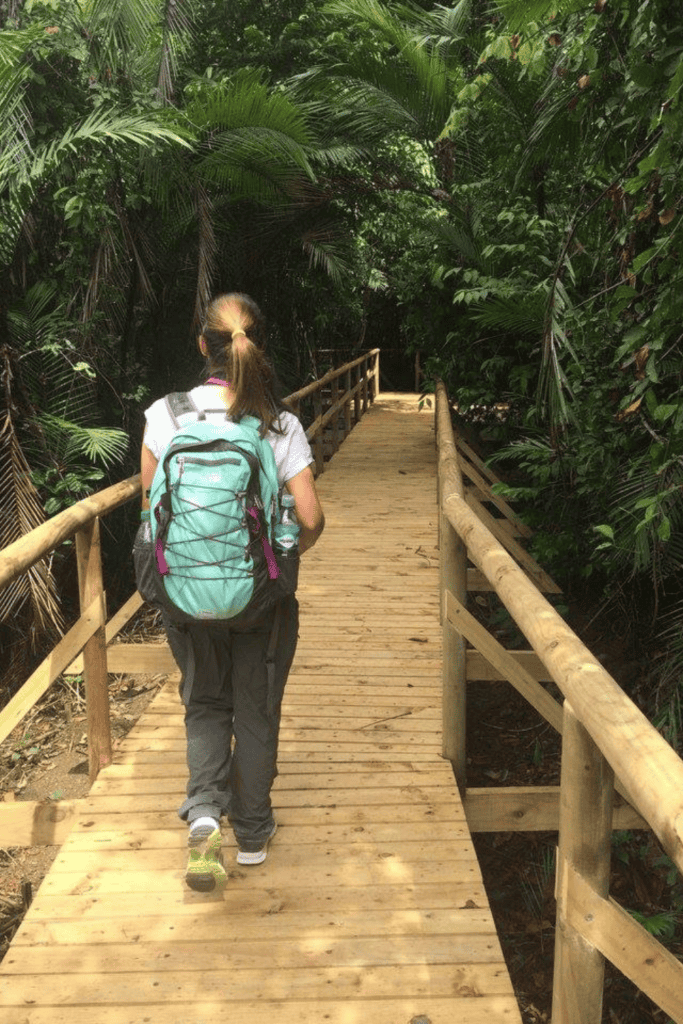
509, 667
469, 471
146, 658
175, 837
477, 582
120, 784
112, 629
299, 694
402, 795
177, 904
530, 809
306, 743
295, 757
93, 816
497, 1009
220, 995
472, 456
252, 955
338, 874
480, 668
424, 720
33, 823
619, 938
392, 857
290, 925
315, 750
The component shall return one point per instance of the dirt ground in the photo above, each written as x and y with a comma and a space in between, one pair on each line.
46, 758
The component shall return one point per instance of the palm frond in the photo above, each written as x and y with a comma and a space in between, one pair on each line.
453, 20
118, 31
246, 101
21, 512
324, 251
522, 314
102, 127
177, 22
105, 445
253, 163
418, 81
459, 235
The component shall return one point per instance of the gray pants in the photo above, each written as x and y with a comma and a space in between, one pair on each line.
232, 689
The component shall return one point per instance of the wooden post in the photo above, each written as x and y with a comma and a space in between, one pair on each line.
334, 423
89, 561
356, 398
319, 440
366, 372
453, 571
586, 796
347, 404
375, 376
438, 494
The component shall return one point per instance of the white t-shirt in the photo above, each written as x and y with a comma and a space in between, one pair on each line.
291, 449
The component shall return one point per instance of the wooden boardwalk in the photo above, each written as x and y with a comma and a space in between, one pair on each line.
370, 908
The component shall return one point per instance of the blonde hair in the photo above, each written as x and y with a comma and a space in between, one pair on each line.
235, 338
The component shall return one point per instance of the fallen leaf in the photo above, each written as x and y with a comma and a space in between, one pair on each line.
668, 215
641, 358
633, 407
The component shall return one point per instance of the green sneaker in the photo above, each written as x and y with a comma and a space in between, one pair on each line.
205, 871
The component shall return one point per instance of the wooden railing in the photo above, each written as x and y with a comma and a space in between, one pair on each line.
338, 400
607, 743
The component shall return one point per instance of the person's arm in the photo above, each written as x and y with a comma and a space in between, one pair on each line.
148, 464
309, 512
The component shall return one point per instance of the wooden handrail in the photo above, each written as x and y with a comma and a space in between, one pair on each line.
81, 521
19, 556
648, 768
317, 385
606, 740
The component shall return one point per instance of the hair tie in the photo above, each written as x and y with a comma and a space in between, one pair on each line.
238, 331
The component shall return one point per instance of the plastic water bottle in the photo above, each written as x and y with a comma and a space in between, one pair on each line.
286, 539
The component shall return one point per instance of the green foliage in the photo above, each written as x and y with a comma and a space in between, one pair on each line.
496, 188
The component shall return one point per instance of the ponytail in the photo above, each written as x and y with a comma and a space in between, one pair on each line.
235, 340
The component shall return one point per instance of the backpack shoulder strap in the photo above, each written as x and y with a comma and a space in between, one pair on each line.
180, 403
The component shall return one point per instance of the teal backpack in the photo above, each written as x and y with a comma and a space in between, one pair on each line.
214, 502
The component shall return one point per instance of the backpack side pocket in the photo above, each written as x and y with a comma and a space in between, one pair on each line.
144, 563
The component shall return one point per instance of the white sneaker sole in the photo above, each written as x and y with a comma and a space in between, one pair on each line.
251, 857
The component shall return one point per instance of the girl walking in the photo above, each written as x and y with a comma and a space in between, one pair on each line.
233, 677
